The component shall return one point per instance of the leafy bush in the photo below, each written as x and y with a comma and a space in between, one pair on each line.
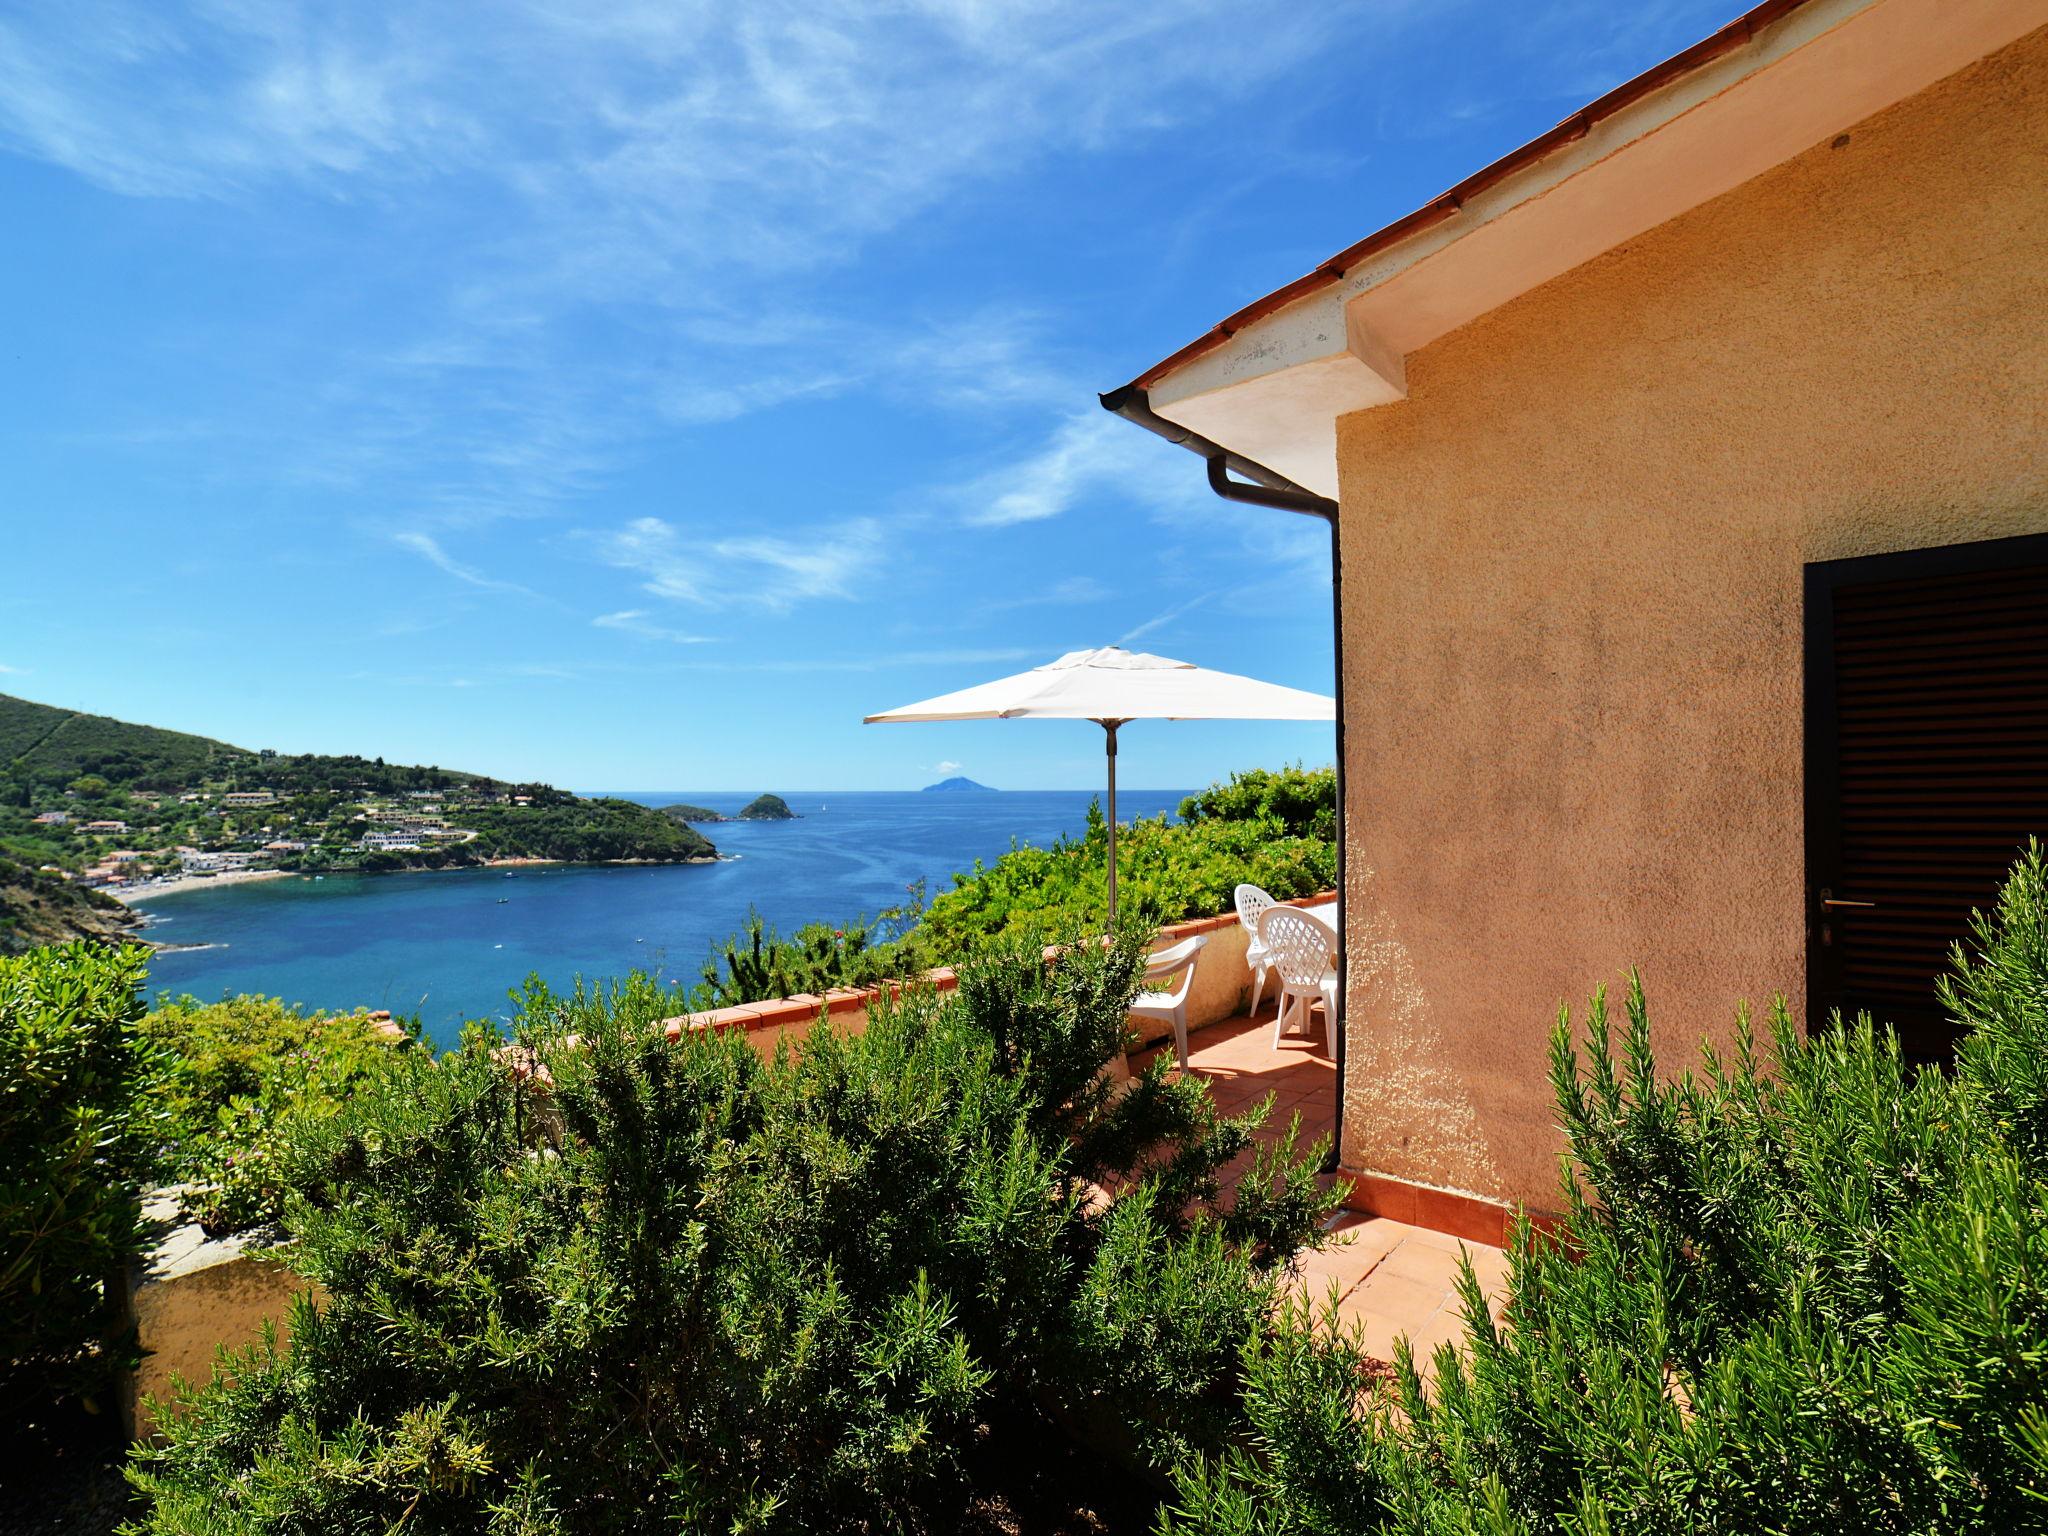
1297, 801
648, 1282
1802, 1290
1165, 872
74, 1139
243, 1075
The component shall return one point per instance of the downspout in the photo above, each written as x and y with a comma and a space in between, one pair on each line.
1236, 478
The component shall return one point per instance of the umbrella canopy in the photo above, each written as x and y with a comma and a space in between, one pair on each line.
1112, 687
1116, 684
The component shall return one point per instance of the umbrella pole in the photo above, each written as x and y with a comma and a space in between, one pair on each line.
1109, 747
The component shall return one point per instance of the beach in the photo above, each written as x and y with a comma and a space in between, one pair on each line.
150, 890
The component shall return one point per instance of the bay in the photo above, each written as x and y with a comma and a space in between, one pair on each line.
451, 945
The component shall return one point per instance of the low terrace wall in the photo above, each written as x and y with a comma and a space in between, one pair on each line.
1222, 988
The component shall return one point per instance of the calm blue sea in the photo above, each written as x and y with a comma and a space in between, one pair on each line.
451, 945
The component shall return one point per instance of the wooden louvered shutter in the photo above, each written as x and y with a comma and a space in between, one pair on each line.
1927, 766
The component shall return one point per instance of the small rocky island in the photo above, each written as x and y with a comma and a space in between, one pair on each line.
682, 812
955, 785
760, 808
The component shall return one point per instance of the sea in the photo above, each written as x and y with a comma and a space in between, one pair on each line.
453, 945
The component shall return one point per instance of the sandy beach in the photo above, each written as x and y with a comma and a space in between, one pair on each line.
177, 883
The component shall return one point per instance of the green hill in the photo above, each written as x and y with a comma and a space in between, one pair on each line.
47, 745
76, 788
44, 747
767, 808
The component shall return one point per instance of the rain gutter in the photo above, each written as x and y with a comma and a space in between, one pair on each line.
1237, 478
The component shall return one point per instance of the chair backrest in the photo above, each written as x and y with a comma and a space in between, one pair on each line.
1181, 957
1298, 946
1252, 904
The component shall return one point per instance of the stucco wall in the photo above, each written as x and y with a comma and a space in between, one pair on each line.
1572, 567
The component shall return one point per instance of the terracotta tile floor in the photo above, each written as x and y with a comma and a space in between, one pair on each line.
1390, 1278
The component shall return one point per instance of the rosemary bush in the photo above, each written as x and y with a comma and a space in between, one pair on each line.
1804, 1289
646, 1283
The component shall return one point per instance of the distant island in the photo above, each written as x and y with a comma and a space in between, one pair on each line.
683, 812
760, 808
92, 808
955, 785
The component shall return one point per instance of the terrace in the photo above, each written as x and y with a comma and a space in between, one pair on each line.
1395, 1269
1391, 1277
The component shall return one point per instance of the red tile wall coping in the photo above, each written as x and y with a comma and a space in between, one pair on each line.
805, 1009
1471, 1217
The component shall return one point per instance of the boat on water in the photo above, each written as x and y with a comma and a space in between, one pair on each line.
503, 899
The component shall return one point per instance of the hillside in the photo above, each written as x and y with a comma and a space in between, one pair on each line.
53, 746
682, 812
958, 784
767, 808
42, 746
36, 908
118, 805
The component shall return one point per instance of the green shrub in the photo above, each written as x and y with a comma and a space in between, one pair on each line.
1298, 801
1165, 871
645, 1283
1802, 1290
242, 1075
74, 1139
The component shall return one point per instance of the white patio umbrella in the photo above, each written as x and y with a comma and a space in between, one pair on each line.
1113, 687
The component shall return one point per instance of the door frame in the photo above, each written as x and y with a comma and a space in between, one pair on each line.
1823, 796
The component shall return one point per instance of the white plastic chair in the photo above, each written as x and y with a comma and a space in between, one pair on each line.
1253, 904
1298, 948
1171, 1007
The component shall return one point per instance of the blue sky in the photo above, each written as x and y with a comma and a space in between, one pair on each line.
636, 395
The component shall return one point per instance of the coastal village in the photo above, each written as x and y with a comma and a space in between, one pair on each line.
257, 830
90, 804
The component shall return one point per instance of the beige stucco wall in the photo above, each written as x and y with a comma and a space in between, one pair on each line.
1572, 580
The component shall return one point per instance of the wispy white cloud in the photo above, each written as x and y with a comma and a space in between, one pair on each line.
1072, 591
948, 766
1161, 620
760, 570
988, 656
660, 168
635, 621
13, 671
1089, 453
428, 548
487, 677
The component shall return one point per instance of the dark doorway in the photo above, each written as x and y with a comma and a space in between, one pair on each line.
1926, 766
